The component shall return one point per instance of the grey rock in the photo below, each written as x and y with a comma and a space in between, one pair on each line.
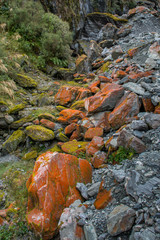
117, 52
9, 119
131, 183
147, 234
139, 125
155, 100
119, 175
83, 190
153, 120
89, 231
134, 88
94, 189
121, 219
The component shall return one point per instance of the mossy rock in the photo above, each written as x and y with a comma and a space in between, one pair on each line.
111, 16
41, 100
16, 108
73, 146
20, 122
47, 116
65, 73
25, 81
105, 66
31, 155
14, 140
62, 137
78, 105
60, 108
39, 133
55, 149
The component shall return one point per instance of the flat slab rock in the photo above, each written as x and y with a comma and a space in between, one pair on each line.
121, 219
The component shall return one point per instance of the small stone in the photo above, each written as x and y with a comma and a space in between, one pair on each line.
89, 232
83, 190
94, 189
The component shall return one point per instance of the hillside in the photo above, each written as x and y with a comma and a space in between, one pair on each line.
80, 120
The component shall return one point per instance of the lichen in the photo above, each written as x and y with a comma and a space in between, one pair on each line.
25, 81
16, 108
39, 133
108, 15
14, 140
29, 156
78, 105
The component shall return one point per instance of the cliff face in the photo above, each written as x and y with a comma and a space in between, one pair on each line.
74, 11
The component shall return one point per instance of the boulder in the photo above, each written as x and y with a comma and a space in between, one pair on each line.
91, 132
120, 220
104, 100
82, 65
70, 116
103, 197
14, 140
52, 188
48, 124
25, 81
74, 147
66, 95
95, 145
153, 120
39, 133
128, 107
107, 32
99, 159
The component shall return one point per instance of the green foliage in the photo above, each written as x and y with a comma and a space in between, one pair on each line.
121, 154
14, 231
43, 34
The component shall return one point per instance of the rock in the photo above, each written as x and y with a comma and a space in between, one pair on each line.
103, 197
25, 81
70, 116
107, 32
66, 95
52, 187
14, 140
119, 175
91, 132
94, 189
144, 234
94, 51
21, 122
15, 109
78, 105
134, 88
89, 231
99, 159
47, 116
101, 120
48, 124
83, 190
104, 100
31, 155
62, 137
117, 52
154, 51
139, 125
68, 222
120, 220
39, 133
82, 65
64, 73
153, 120
127, 140
9, 119
148, 105
74, 147
95, 145
127, 107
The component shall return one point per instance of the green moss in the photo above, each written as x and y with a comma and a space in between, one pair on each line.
121, 154
14, 140
55, 149
25, 81
2, 196
22, 121
105, 68
29, 156
47, 116
108, 15
72, 146
62, 137
39, 133
78, 105
60, 108
16, 108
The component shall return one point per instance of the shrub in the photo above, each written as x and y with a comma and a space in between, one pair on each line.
43, 34
121, 154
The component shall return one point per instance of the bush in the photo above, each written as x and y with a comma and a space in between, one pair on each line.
44, 34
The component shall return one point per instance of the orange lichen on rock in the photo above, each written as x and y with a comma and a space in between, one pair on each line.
91, 132
148, 105
95, 145
103, 197
157, 109
65, 95
129, 106
52, 187
99, 159
47, 123
70, 116
132, 52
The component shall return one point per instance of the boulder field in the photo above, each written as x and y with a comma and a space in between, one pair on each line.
98, 177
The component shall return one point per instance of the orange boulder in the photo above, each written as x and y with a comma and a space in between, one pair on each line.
106, 99
148, 105
70, 116
52, 187
99, 159
95, 145
128, 107
103, 197
91, 132
47, 123
66, 95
